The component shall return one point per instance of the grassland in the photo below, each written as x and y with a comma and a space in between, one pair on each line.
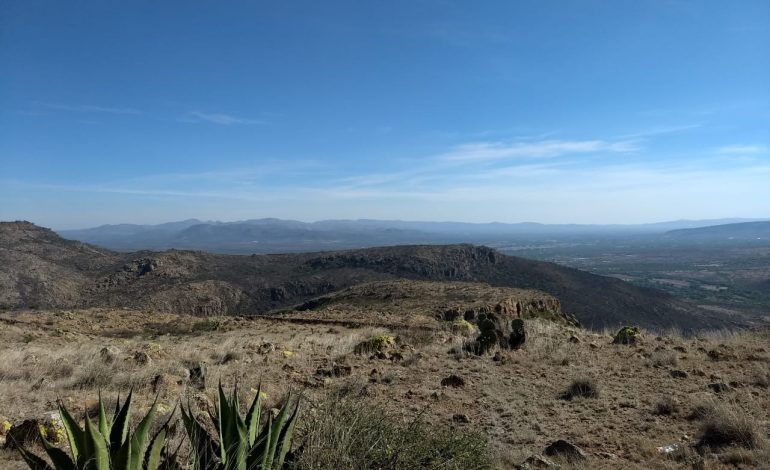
657, 393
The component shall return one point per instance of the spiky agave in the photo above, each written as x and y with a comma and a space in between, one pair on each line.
107, 444
241, 444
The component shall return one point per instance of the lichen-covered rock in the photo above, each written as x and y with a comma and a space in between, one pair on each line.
463, 327
627, 335
375, 344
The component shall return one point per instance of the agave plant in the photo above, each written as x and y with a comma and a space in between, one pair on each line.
106, 445
241, 444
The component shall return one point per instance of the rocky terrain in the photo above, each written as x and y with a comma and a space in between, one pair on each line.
561, 395
38, 269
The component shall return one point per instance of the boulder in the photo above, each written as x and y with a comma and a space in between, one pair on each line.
454, 381
565, 449
108, 354
141, 358
628, 335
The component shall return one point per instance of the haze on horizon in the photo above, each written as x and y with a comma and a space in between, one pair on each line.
553, 112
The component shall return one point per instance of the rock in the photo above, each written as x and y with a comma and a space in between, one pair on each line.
141, 358
108, 354
334, 371
375, 344
719, 387
28, 432
165, 383
23, 435
461, 418
574, 339
562, 448
198, 376
720, 355
266, 348
536, 461
453, 381
627, 335
678, 374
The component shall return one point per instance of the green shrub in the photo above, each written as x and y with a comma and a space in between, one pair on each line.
349, 433
106, 445
241, 445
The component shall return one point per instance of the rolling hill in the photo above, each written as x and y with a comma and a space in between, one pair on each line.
39, 269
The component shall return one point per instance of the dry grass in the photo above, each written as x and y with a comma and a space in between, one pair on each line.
727, 424
582, 387
514, 402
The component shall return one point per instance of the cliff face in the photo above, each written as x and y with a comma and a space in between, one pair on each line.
39, 269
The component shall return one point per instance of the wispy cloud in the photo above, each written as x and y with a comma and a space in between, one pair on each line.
655, 131
743, 149
87, 108
480, 151
219, 118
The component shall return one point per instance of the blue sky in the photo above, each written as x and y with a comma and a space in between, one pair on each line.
549, 111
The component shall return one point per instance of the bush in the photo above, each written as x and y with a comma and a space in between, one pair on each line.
728, 425
349, 433
666, 406
585, 387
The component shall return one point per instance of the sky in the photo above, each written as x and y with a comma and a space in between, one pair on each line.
575, 111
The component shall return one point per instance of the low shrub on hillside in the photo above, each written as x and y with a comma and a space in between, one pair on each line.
348, 433
581, 387
727, 424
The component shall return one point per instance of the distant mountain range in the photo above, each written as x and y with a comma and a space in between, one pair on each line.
725, 232
278, 235
39, 269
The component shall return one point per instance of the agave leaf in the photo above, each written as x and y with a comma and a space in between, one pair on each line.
274, 435
119, 431
33, 461
140, 437
104, 423
152, 460
60, 459
203, 445
223, 417
252, 416
121, 457
260, 449
232, 432
284, 440
97, 454
75, 435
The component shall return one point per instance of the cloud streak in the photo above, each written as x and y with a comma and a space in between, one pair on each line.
486, 151
219, 118
743, 149
88, 108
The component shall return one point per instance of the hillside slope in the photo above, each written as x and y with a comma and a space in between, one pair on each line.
39, 269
